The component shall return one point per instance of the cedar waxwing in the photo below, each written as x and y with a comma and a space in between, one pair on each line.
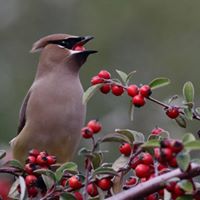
52, 113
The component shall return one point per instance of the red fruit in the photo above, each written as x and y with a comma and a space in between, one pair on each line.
178, 191
170, 186
86, 132
34, 152
142, 171
104, 183
51, 160
152, 197
63, 182
92, 190
166, 143
96, 80
32, 191
167, 153
105, 88
132, 180
161, 167
74, 182
30, 167
30, 180
145, 91
78, 196
4, 189
117, 90
146, 158
173, 162
157, 154
94, 125
176, 146
136, 161
31, 159
132, 90
157, 131
41, 159
138, 100
104, 74
172, 112
125, 149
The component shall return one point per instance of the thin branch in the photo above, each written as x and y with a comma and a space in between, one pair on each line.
155, 184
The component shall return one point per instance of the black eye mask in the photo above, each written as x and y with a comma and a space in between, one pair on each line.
68, 43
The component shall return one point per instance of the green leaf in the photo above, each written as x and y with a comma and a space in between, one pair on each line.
133, 136
159, 82
14, 193
188, 92
197, 110
193, 145
14, 163
121, 162
185, 197
180, 120
129, 76
68, 166
84, 152
90, 92
186, 185
122, 75
188, 113
188, 137
151, 144
115, 137
104, 170
97, 160
67, 196
183, 160
49, 182
2, 154
46, 172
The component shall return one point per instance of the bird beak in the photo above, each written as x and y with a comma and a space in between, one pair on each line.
83, 41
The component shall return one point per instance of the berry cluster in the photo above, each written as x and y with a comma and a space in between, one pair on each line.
92, 127
147, 165
138, 94
36, 160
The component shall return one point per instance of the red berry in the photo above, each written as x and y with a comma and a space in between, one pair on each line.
145, 91
63, 182
78, 196
30, 180
34, 152
105, 88
125, 149
147, 159
176, 146
162, 167
96, 80
165, 143
104, 183
132, 90
178, 190
167, 153
136, 161
152, 197
104, 74
170, 186
117, 90
92, 190
51, 160
30, 167
31, 159
157, 131
74, 182
173, 162
4, 188
32, 192
86, 132
132, 180
94, 125
172, 112
142, 171
41, 159
138, 100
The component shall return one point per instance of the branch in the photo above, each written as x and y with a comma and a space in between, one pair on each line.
155, 184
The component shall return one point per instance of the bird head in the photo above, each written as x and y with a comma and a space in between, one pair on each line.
61, 48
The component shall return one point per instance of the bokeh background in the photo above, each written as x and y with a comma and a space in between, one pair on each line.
155, 38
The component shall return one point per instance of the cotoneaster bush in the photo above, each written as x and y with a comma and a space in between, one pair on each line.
153, 168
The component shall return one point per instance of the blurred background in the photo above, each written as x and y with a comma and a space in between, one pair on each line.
155, 38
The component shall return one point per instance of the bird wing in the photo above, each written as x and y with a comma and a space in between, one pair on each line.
22, 113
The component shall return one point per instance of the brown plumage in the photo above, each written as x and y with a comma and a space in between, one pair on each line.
52, 113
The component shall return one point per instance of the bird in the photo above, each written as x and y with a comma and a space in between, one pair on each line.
52, 113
